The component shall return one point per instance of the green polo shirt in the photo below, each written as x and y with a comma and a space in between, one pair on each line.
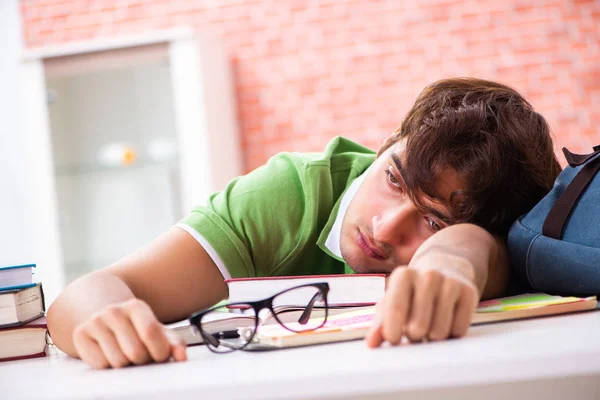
275, 220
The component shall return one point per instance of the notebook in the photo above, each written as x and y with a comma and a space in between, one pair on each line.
530, 305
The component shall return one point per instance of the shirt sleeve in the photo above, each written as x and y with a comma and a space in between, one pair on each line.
257, 220
208, 247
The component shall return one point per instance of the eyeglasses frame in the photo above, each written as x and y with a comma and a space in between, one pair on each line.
258, 305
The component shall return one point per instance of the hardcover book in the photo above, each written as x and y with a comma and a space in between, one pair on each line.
356, 324
20, 306
16, 277
26, 341
350, 290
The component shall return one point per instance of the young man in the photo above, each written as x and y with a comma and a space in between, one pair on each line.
432, 208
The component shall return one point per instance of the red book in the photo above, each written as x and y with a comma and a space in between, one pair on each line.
351, 290
26, 341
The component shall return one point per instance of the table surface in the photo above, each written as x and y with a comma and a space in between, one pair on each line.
547, 356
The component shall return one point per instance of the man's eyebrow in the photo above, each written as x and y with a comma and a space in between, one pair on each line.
427, 210
441, 216
398, 163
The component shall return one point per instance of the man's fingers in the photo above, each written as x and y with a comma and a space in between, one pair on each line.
178, 345
423, 304
150, 331
88, 350
396, 304
374, 338
464, 311
126, 335
444, 311
179, 353
427, 286
99, 332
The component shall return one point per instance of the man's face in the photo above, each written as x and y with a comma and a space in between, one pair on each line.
383, 228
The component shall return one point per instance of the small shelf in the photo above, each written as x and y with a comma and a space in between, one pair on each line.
94, 168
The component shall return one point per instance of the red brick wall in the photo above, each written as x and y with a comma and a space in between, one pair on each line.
308, 70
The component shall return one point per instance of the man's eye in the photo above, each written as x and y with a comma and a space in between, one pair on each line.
392, 179
434, 226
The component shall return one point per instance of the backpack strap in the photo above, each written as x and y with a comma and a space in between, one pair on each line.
576, 160
556, 219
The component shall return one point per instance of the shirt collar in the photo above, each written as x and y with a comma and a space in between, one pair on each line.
332, 243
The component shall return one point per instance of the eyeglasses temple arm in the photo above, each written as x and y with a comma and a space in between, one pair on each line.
306, 314
215, 338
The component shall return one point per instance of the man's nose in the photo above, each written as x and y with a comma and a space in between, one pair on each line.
392, 225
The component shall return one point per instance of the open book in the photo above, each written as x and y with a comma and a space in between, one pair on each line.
530, 305
356, 324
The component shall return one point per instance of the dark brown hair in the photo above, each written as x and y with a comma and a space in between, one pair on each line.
491, 136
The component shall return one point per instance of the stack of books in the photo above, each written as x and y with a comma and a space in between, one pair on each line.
22, 314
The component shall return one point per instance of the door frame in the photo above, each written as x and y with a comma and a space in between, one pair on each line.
205, 122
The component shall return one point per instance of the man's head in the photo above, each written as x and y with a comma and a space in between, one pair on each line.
469, 150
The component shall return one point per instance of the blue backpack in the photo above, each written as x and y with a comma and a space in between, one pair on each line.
555, 247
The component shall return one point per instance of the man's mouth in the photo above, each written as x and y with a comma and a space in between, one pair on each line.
370, 250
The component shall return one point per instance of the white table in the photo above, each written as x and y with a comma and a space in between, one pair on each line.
553, 358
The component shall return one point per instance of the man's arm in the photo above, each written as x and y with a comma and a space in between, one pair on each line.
113, 317
470, 251
436, 295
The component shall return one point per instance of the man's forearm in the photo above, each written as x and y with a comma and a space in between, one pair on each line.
469, 251
79, 301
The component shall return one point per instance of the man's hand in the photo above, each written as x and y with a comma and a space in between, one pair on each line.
126, 333
419, 304
434, 298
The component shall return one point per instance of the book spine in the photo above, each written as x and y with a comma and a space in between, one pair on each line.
43, 298
16, 288
275, 278
25, 357
17, 266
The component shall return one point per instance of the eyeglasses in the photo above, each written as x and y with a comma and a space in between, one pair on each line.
295, 309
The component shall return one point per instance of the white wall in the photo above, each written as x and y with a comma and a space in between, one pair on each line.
15, 222
28, 233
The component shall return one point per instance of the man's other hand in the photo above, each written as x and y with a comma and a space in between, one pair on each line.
126, 333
